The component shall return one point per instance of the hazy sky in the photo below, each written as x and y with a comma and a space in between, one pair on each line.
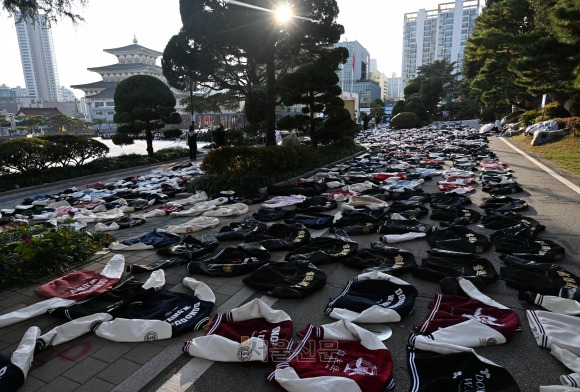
376, 24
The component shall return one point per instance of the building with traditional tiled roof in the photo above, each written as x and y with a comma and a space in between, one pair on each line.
132, 60
38, 112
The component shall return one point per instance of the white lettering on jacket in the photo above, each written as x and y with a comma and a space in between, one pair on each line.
180, 318
92, 285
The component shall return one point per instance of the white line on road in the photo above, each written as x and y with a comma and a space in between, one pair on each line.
558, 177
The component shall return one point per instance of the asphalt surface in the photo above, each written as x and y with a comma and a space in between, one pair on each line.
93, 364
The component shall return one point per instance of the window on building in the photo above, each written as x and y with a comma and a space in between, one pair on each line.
99, 104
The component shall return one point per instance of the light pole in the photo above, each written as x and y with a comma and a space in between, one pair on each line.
191, 101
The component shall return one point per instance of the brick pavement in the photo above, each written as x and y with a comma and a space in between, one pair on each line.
90, 363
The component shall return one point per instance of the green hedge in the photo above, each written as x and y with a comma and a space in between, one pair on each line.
100, 165
266, 166
75, 149
253, 160
33, 155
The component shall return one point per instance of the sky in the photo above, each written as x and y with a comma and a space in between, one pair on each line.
375, 24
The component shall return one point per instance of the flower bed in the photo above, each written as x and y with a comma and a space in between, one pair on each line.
30, 253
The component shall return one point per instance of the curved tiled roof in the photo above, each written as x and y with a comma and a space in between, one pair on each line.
133, 48
94, 85
125, 67
38, 112
106, 93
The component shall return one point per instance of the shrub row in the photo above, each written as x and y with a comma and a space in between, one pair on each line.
230, 161
284, 163
551, 111
32, 155
100, 165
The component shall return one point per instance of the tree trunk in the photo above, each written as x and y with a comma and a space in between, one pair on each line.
312, 130
149, 139
270, 101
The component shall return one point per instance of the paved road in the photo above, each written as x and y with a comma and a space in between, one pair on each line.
93, 364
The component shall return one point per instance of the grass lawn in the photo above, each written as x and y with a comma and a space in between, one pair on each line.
564, 152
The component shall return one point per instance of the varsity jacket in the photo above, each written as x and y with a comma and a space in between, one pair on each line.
156, 318
113, 300
337, 357
251, 332
287, 280
373, 297
79, 285
13, 370
437, 367
66, 290
381, 257
472, 321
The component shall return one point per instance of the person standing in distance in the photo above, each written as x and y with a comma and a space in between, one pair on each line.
191, 141
219, 136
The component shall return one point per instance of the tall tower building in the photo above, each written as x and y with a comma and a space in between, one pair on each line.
355, 75
438, 34
395, 88
38, 58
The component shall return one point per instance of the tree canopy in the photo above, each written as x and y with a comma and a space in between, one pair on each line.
314, 85
522, 49
52, 9
445, 71
241, 49
377, 110
143, 104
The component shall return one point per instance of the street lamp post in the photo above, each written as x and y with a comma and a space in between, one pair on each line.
191, 101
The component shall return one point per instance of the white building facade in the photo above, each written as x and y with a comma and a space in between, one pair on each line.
437, 34
395, 88
380, 78
38, 58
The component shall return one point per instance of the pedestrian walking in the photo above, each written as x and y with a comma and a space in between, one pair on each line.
191, 141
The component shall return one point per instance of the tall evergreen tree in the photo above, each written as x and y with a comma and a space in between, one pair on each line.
546, 62
496, 40
226, 45
445, 71
314, 85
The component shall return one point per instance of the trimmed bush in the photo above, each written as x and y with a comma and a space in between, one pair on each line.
100, 165
251, 160
74, 149
172, 133
529, 117
406, 120
29, 155
555, 110
277, 168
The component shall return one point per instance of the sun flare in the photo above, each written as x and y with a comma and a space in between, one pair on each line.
283, 13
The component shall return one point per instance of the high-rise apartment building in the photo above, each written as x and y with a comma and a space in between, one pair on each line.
38, 58
438, 34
